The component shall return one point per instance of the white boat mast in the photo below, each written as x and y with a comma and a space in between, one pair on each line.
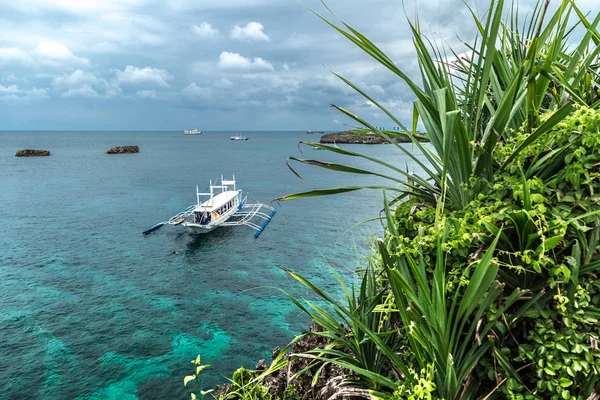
198, 194
226, 184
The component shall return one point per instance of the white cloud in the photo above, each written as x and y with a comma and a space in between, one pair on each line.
134, 75
374, 89
79, 83
147, 94
252, 31
13, 93
11, 77
77, 79
187, 5
54, 54
205, 30
121, 32
223, 83
14, 55
113, 89
229, 60
298, 40
53, 50
275, 82
46, 54
8, 90
37, 93
194, 91
75, 6
83, 91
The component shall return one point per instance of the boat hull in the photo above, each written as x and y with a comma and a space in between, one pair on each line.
200, 229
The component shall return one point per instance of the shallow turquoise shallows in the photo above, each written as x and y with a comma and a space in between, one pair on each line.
92, 309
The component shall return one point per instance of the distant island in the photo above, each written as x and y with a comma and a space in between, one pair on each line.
32, 153
366, 136
123, 150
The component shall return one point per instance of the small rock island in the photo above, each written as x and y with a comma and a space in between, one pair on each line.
366, 136
32, 153
123, 150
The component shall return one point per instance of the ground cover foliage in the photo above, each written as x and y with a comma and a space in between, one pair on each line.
485, 282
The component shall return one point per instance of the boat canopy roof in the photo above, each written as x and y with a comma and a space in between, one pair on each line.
217, 201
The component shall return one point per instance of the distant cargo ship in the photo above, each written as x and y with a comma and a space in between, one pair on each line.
192, 132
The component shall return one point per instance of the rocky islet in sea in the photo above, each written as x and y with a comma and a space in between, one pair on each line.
32, 153
361, 136
123, 150
44, 153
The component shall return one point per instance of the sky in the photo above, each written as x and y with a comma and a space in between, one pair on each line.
210, 64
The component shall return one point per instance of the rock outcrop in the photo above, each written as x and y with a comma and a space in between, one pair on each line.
123, 150
360, 137
278, 382
32, 153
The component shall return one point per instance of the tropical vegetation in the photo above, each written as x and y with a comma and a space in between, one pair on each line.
485, 281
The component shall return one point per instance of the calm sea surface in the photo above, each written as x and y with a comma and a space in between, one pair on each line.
92, 309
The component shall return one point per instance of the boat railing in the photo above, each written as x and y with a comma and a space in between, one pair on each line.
220, 187
176, 219
248, 212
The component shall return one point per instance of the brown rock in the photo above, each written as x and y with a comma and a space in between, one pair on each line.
32, 153
280, 382
261, 365
123, 150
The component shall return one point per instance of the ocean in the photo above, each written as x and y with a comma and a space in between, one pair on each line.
92, 309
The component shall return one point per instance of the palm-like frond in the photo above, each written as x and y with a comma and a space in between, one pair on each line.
468, 104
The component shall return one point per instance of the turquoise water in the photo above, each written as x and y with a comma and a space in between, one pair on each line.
92, 309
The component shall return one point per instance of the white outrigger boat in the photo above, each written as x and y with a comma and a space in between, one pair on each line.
226, 208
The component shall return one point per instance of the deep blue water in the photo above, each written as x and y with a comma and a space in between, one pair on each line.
92, 309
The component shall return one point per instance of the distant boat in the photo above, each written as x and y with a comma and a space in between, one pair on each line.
239, 137
192, 132
311, 132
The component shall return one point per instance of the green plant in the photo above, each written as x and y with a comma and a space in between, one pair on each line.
348, 330
436, 326
196, 378
245, 386
472, 105
499, 294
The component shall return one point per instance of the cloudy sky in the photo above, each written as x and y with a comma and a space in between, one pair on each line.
209, 64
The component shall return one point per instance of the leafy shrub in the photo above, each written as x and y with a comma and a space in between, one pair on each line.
548, 248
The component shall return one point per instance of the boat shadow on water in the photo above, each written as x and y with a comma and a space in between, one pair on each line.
195, 242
